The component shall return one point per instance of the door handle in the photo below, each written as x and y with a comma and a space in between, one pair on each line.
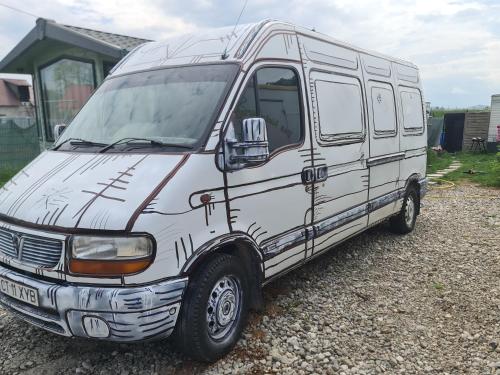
321, 173
308, 175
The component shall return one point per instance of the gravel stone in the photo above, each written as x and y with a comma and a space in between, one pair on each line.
427, 302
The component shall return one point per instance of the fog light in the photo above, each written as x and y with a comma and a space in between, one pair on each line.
95, 327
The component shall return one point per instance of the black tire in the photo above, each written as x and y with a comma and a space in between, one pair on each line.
192, 334
404, 221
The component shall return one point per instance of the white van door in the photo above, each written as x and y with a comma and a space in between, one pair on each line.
340, 149
272, 202
385, 154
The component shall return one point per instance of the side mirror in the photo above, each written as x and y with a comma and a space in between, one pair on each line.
254, 146
58, 130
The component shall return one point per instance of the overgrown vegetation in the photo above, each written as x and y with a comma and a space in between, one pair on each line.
6, 175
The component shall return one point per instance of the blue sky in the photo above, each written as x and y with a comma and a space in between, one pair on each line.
455, 43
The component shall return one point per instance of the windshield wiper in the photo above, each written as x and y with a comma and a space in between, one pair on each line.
79, 141
152, 142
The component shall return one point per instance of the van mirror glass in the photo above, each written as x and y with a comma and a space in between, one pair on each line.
58, 130
250, 146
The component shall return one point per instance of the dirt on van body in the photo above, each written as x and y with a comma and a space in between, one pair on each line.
427, 302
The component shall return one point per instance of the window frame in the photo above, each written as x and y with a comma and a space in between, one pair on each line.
411, 131
384, 134
344, 138
107, 66
49, 136
252, 75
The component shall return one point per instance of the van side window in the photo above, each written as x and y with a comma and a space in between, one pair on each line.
273, 94
384, 109
411, 103
340, 109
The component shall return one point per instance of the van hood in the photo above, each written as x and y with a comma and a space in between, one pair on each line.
86, 191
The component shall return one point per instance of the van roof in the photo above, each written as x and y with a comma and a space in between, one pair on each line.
217, 45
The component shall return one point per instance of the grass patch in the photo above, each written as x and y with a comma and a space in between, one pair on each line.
438, 285
6, 175
485, 166
437, 161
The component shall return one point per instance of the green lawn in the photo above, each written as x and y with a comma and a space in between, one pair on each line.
437, 161
485, 168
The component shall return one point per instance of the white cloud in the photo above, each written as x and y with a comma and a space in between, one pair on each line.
455, 40
458, 91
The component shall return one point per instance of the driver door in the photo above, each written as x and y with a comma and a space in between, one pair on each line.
272, 201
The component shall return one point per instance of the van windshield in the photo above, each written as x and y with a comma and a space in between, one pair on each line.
169, 108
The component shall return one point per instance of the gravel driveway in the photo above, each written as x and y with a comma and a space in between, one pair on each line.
428, 302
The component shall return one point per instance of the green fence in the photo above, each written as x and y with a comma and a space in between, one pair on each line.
18, 142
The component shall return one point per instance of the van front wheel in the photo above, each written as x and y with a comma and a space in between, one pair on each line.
214, 309
404, 222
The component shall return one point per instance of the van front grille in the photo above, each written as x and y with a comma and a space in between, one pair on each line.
37, 251
7, 244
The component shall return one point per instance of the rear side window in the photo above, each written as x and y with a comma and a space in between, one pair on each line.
411, 103
384, 109
340, 109
273, 94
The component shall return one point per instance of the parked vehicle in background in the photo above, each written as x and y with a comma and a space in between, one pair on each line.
203, 168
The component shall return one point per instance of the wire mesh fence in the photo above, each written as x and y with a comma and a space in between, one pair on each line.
18, 142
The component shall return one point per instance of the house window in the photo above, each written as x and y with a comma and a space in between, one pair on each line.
24, 93
66, 86
273, 94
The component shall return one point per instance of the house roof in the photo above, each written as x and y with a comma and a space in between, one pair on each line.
114, 46
8, 94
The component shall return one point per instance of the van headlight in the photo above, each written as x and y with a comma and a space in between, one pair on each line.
110, 256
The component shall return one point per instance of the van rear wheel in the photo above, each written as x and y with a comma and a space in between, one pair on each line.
214, 310
404, 222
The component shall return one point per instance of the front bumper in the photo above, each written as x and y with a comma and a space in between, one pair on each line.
124, 314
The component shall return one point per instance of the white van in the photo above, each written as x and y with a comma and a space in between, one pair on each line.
201, 169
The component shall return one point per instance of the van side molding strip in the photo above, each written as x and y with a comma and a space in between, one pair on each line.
288, 240
385, 159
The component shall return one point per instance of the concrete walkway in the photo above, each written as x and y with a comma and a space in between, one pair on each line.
455, 164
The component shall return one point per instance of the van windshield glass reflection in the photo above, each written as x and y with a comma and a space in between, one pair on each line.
174, 106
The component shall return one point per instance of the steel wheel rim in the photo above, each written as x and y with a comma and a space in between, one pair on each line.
409, 211
224, 307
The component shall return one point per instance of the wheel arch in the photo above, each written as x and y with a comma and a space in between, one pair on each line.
240, 245
414, 181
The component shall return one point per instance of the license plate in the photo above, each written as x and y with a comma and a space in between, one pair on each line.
19, 291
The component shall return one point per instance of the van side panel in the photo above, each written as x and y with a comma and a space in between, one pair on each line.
384, 135
413, 122
339, 122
